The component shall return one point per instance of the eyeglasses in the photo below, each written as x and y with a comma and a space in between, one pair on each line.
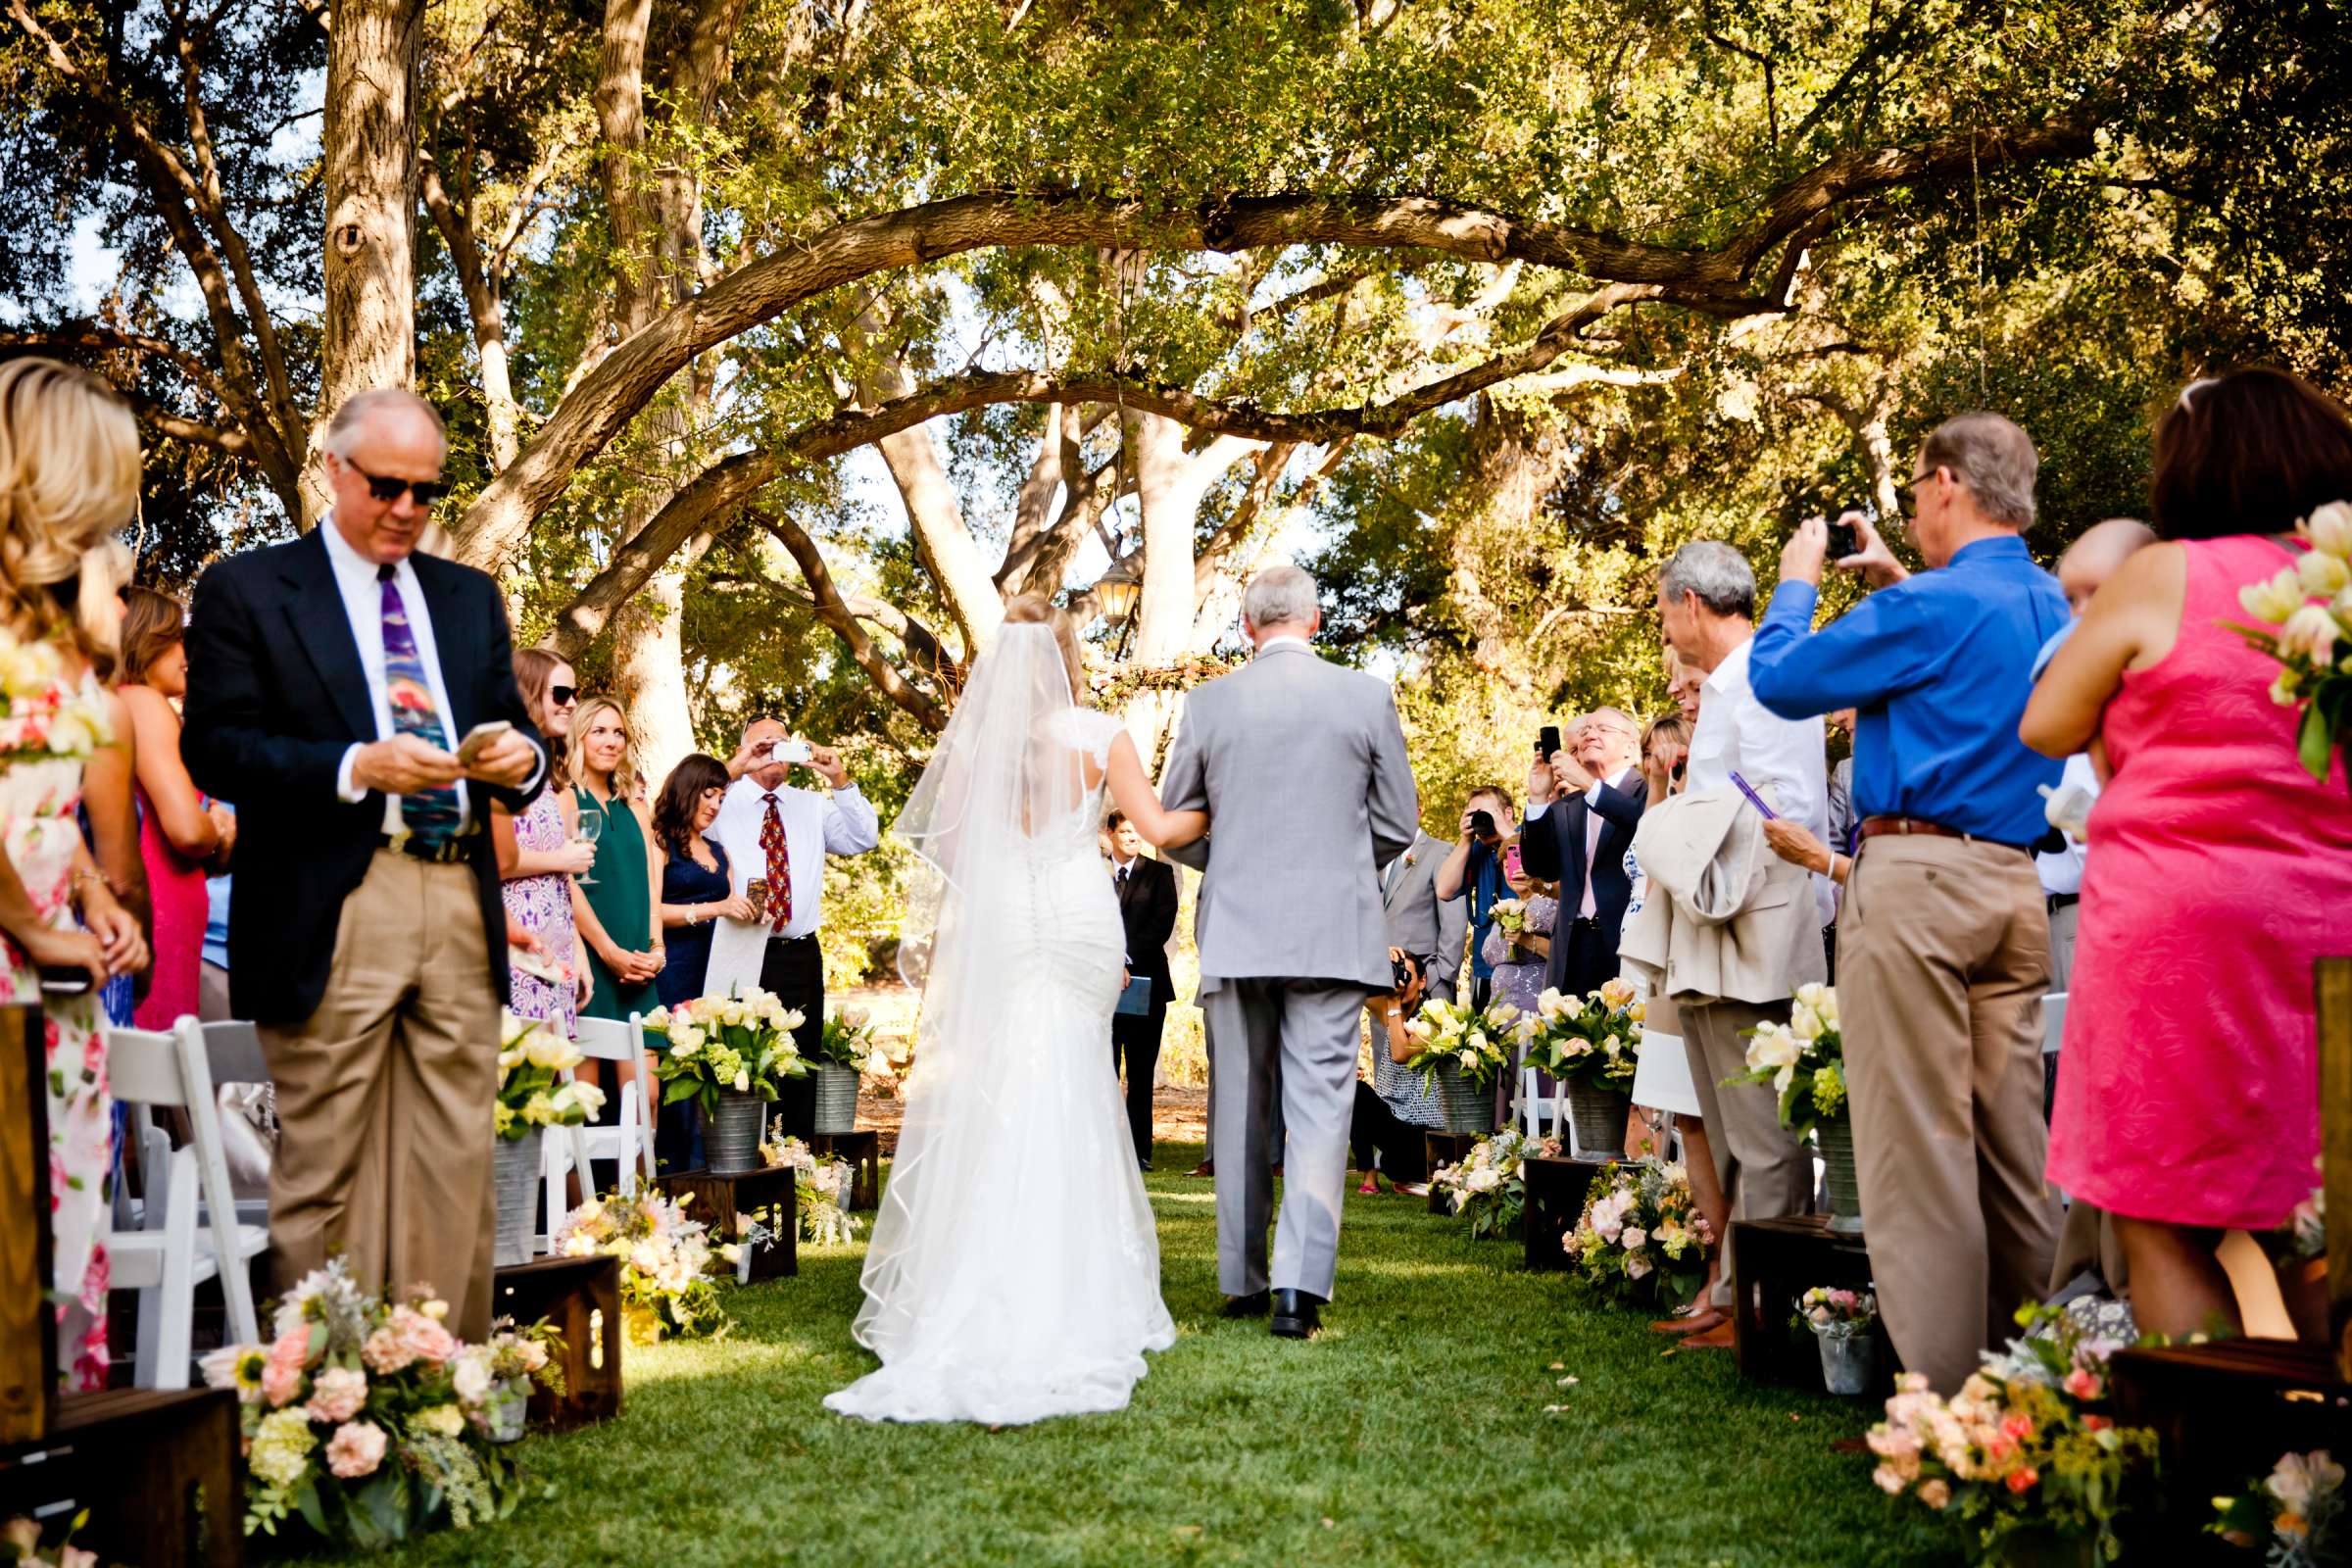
387, 489
1906, 491
562, 696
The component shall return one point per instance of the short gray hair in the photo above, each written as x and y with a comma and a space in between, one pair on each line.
1993, 458
1280, 596
1719, 574
343, 431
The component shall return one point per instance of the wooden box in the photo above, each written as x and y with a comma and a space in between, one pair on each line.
2227, 1410
27, 1328
580, 1297
1446, 1148
1776, 1261
863, 1150
157, 1469
1555, 1190
719, 1198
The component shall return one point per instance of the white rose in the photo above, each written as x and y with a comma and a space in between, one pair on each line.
1772, 1046
1804, 1022
2323, 574
2273, 601
743, 1083
2329, 530
544, 1048
1811, 994
2311, 631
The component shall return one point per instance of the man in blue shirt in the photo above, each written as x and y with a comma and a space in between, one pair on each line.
1944, 939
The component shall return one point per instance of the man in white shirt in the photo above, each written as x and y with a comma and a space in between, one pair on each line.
779, 836
1707, 605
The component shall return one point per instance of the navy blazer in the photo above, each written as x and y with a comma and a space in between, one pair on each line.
1552, 847
276, 695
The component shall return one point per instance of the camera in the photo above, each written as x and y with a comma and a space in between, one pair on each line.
1547, 741
1403, 972
1844, 540
798, 752
1482, 827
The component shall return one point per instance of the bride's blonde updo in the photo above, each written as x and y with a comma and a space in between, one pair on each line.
69, 477
1036, 609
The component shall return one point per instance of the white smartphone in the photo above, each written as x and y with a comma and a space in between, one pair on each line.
798, 752
477, 739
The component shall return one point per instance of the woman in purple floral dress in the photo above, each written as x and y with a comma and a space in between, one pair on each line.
538, 858
1519, 963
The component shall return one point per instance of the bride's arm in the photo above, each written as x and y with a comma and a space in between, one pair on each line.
1134, 796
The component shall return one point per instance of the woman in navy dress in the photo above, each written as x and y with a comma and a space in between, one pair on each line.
697, 889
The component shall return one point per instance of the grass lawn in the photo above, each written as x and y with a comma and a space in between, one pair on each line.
1414, 1431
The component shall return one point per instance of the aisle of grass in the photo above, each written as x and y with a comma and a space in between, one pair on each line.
1413, 1432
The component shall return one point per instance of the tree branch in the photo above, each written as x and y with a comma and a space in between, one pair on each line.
834, 612
707, 499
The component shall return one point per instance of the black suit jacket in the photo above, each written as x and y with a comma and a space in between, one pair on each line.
1147, 908
1552, 848
276, 695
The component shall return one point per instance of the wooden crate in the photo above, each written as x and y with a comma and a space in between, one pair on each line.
157, 1470
1446, 1148
2227, 1410
1776, 1261
580, 1297
720, 1197
1556, 1200
2332, 979
28, 1329
863, 1150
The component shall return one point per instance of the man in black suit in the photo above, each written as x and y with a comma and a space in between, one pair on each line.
1147, 905
335, 686
1583, 806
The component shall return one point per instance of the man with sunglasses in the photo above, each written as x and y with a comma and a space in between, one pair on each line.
333, 683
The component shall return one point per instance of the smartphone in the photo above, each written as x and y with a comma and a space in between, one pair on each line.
756, 890
1547, 741
1844, 540
1482, 826
798, 752
477, 739
1510, 860
1753, 799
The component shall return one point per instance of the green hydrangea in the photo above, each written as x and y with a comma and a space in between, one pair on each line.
1829, 1090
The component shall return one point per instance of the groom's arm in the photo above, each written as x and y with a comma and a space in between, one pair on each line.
1184, 787
1394, 802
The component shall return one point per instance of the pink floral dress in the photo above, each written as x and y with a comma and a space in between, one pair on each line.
542, 904
39, 835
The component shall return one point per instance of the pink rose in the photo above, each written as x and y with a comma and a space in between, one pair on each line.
337, 1393
356, 1449
2083, 1384
2021, 1481
281, 1379
423, 1339
384, 1354
1935, 1493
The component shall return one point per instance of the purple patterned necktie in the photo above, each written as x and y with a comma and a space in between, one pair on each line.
428, 814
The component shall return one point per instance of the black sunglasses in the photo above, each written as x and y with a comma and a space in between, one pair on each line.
1906, 491
388, 490
561, 696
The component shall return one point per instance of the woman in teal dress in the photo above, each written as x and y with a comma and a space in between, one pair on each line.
614, 910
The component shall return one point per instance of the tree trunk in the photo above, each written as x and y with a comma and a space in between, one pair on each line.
1169, 483
369, 335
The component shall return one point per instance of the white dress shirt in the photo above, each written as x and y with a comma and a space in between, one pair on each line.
1272, 643
364, 604
2062, 872
1737, 734
814, 826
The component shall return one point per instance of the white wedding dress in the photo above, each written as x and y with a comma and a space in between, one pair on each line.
1014, 1271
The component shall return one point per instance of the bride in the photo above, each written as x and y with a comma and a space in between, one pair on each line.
1014, 1272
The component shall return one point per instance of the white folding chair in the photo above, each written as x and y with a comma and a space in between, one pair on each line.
1533, 1106
628, 1141
189, 1226
2053, 1022
1662, 1083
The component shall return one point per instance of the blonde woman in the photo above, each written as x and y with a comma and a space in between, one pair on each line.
69, 477
613, 904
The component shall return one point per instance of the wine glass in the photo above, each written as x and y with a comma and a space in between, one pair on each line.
591, 828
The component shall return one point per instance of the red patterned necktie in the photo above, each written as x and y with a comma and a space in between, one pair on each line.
780, 867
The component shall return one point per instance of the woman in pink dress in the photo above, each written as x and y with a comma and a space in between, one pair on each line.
2218, 870
181, 835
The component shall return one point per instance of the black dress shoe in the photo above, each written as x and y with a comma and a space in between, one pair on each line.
1142, 1164
1296, 1314
1252, 1305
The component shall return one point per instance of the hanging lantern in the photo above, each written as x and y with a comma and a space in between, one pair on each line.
1118, 589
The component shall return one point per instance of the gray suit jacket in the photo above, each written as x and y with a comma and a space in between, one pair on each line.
1434, 931
1300, 766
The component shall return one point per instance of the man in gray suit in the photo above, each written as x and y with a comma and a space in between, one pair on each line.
1301, 766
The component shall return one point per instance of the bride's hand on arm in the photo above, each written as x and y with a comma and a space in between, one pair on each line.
1131, 792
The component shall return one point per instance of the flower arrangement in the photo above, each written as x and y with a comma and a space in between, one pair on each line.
2292, 1512
1478, 1041
1835, 1313
1488, 1187
48, 713
820, 1189
848, 1041
21, 1545
531, 1090
1641, 1237
1112, 687
2305, 612
2025, 1449
1803, 1060
1510, 916
1594, 1038
664, 1262
743, 1043
368, 1419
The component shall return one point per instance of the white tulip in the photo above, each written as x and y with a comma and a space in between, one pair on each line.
2329, 530
2322, 574
2311, 632
2272, 602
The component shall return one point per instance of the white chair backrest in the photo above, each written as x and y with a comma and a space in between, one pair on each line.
142, 1068
233, 1048
2053, 1022
148, 1068
610, 1039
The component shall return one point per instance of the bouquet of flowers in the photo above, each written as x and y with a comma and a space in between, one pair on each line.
47, 714
367, 1418
742, 1042
1480, 1043
821, 1190
1487, 1187
2024, 1448
21, 1545
531, 1091
2292, 1512
1510, 915
1803, 1060
1641, 1237
1832, 1313
664, 1262
2305, 612
848, 1041
1594, 1038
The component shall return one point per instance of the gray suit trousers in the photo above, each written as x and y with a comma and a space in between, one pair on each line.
1296, 1040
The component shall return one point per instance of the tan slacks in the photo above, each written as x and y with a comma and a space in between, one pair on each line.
1764, 1170
1942, 961
384, 1096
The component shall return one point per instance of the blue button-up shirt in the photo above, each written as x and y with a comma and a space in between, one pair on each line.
1940, 667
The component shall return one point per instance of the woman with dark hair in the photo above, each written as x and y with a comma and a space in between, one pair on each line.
697, 883
2187, 1082
539, 853
179, 830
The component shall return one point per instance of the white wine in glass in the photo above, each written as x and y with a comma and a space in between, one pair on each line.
591, 828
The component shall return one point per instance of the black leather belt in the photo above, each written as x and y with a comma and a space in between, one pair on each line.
435, 852
2061, 900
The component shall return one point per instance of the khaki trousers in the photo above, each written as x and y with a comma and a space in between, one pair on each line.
1942, 961
384, 1097
1764, 1170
